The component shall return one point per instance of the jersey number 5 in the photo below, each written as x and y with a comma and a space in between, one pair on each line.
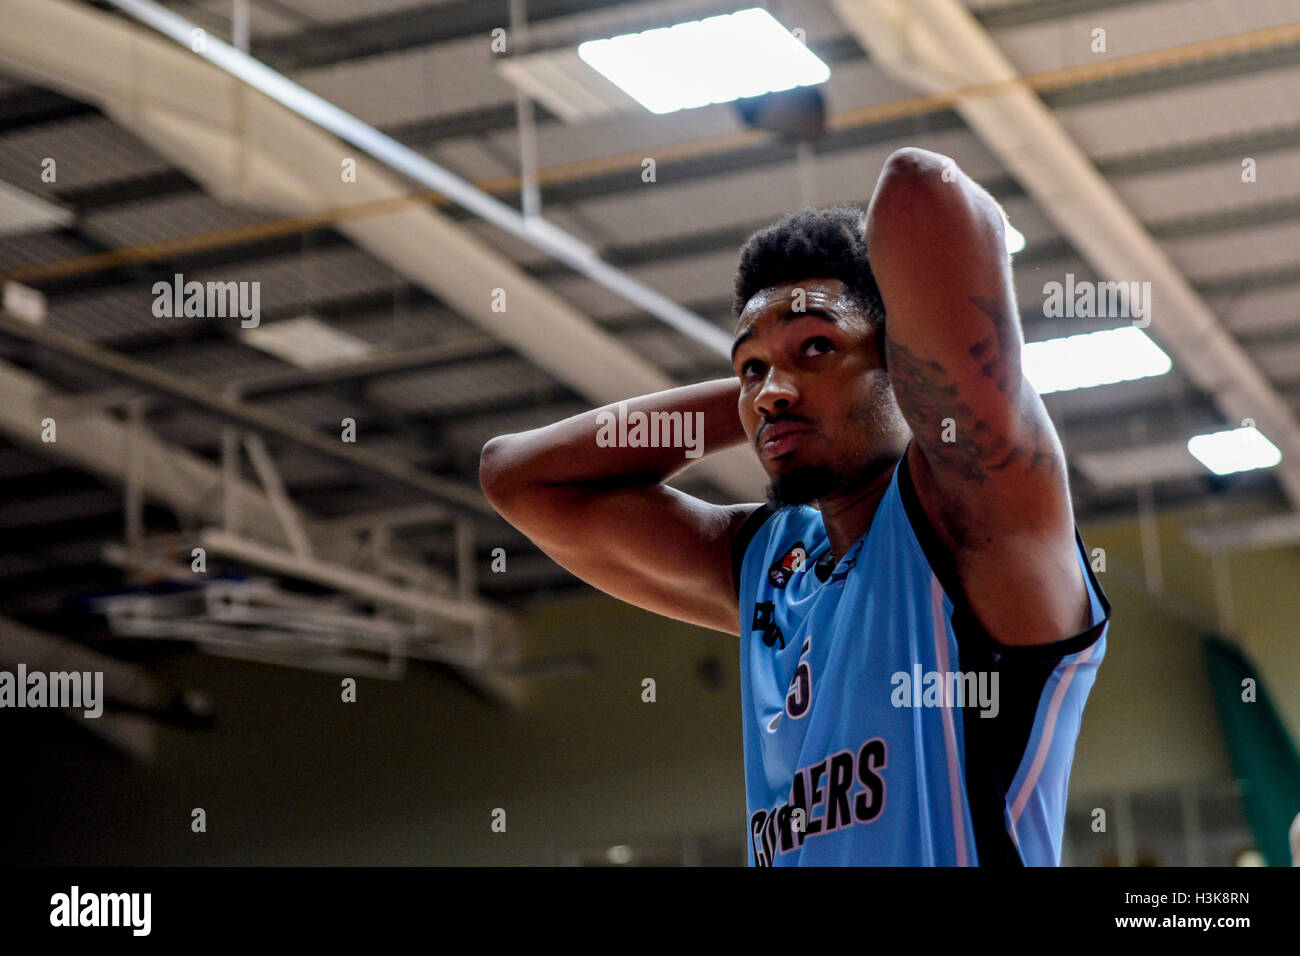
799, 697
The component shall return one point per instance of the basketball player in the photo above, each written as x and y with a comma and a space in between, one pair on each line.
919, 625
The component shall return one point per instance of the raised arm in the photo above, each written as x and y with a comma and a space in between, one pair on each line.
986, 462
953, 340
603, 512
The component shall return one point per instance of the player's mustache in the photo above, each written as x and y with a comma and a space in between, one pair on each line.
763, 429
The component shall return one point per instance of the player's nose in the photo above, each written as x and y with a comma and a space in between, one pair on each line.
778, 394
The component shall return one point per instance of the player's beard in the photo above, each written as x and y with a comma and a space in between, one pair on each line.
801, 485
876, 414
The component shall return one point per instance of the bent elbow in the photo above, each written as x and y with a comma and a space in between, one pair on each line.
912, 175
494, 468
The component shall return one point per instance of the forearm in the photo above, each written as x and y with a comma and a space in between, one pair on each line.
952, 336
650, 439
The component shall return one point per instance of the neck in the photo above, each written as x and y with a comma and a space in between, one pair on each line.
847, 514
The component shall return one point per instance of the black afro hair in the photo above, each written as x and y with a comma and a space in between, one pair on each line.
810, 244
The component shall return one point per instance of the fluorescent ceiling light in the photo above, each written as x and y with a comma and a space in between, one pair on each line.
1238, 449
1093, 358
306, 342
24, 302
22, 212
1014, 237
715, 60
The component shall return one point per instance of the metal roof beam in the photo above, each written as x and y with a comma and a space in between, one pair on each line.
938, 46
249, 148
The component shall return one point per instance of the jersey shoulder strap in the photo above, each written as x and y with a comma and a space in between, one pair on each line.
740, 543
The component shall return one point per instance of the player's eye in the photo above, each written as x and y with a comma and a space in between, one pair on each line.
751, 364
822, 340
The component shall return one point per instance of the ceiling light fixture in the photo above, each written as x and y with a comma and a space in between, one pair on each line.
700, 62
1237, 449
1091, 359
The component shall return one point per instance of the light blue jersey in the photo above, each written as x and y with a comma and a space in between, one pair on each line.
882, 724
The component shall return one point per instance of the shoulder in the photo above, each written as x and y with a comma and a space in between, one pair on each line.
763, 522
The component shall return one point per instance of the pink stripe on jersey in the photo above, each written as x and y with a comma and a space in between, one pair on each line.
949, 734
1045, 742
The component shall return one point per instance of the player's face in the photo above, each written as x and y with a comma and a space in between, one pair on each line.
811, 365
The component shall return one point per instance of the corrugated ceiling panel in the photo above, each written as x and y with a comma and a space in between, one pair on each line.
298, 280
1166, 194
664, 209
694, 278
286, 284
87, 151
1239, 17
467, 158
623, 18
264, 20
404, 327
1263, 310
672, 351
217, 363
29, 248
1279, 362
1237, 250
337, 11
73, 376
105, 315
560, 143
857, 83
471, 436
1190, 114
699, 277
317, 409
457, 388
150, 220
1133, 28
414, 84
708, 278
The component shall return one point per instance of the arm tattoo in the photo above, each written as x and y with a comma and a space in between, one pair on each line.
995, 352
928, 396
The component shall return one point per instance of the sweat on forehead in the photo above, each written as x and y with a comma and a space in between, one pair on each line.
806, 295
839, 310
798, 296
793, 288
